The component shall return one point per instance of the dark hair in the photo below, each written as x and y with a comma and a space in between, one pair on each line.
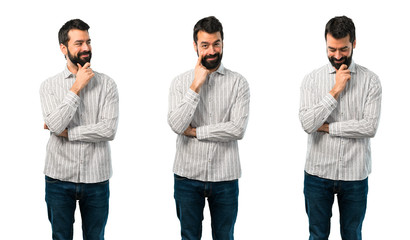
340, 27
72, 24
210, 25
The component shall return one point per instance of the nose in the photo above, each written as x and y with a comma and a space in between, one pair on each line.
86, 47
338, 54
211, 50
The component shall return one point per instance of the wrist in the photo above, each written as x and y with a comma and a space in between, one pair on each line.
335, 93
195, 87
75, 89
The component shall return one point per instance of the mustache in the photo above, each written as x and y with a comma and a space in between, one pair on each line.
340, 59
84, 53
211, 56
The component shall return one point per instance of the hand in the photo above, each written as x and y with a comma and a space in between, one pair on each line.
324, 128
190, 132
342, 77
200, 74
63, 134
84, 75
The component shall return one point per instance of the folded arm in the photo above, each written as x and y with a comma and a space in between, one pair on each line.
314, 111
106, 128
57, 114
182, 106
234, 128
367, 126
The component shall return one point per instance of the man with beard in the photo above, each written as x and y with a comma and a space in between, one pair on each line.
339, 109
208, 109
80, 109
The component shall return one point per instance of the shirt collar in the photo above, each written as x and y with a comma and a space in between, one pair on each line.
332, 70
67, 72
221, 69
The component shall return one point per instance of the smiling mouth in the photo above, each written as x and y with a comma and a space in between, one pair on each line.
84, 54
211, 57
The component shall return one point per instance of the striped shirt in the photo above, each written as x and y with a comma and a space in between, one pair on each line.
91, 120
220, 115
344, 153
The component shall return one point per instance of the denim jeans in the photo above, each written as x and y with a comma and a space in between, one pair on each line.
352, 200
190, 201
61, 199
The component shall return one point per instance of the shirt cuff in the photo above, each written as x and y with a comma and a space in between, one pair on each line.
202, 132
72, 99
192, 97
329, 102
73, 133
335, 129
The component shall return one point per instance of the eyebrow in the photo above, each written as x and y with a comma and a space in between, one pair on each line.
332, 48
81, 41
217, 41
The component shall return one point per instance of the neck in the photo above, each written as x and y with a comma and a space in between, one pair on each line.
71, 67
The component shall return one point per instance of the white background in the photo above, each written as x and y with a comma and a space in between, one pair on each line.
143, 45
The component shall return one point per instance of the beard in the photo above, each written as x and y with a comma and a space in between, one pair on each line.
346, 60
78, 59
212, 64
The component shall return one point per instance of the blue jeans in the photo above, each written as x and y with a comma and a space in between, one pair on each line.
352, 200
61, 199
190, 201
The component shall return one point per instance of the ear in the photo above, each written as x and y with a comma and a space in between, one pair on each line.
195, 47
354, 44
63, 49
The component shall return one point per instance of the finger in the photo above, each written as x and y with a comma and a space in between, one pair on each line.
199, 58
343, 67
345, 72
79, 66
87, 65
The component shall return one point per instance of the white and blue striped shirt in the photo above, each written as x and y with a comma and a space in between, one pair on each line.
344, 153
91, 121
220, 114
